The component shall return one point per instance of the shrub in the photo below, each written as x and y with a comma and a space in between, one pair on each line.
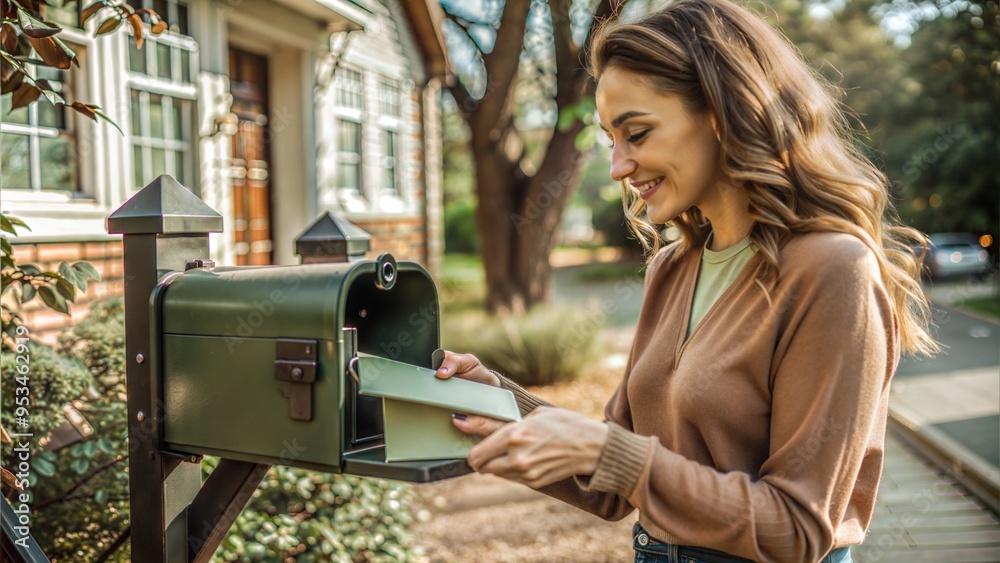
312, 516
460, 227
546, 345
609, 220
75, 510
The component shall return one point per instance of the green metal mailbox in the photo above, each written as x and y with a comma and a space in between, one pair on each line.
252, 361
251, 364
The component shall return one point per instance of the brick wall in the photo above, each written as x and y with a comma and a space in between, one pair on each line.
404, 238
104, 256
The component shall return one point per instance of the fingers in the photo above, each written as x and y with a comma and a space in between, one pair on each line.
465, 366
477, 425
455, 364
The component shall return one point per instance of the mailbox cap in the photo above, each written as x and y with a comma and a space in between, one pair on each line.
164, 207
332, 238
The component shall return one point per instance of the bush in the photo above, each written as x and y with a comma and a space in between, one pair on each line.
609, 220
547, 345
460, 227
312, 516
75, 511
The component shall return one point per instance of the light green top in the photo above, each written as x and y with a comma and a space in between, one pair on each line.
718, 271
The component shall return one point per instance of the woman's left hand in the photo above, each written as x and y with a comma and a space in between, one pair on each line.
549, 445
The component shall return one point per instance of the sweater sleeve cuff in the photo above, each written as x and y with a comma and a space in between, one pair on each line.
621, 463
526, 402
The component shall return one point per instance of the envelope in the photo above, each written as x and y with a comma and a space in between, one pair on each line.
417, 408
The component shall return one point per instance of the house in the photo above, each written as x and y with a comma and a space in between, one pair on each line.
273, 111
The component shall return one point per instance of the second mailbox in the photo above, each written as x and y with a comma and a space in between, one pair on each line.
250, 363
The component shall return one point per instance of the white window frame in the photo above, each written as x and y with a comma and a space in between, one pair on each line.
177, 86
388, 117
352, 200
65, 214
35, 132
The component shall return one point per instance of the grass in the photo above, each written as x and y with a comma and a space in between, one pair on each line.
462, 286
989, 306
609, 271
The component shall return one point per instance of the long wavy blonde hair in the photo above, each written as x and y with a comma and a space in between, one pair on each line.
785, 140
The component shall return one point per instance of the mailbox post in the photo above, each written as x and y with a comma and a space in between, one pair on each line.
173, 518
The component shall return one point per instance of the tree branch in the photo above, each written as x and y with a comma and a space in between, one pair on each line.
90, 476
502, 62
124, 535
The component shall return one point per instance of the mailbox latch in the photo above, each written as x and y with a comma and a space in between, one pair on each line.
295, 363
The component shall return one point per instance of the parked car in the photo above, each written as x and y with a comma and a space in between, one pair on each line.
955, 254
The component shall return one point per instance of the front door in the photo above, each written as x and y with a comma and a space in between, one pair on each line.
251, 158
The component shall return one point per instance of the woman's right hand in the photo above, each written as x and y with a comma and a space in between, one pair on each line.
466, 366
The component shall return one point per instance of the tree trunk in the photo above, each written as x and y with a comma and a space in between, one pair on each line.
518, 221
518, 215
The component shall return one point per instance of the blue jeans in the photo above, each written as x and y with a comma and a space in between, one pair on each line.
651, 550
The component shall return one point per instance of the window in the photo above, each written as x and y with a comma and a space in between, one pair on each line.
368, 139
349, 156
389, 98
159, 136
61, 12
37, 143
350, 86
171, 11
389, 163
389, 119
162, 93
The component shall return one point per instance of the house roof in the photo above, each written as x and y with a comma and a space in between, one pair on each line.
427, 16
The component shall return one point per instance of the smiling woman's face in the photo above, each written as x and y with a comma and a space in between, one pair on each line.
669, 155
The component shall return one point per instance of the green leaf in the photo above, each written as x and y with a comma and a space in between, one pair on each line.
7, 249
8, 222
31, 270
106, 118
79, 465
67, 271
108, 25
27, 292
106, 445
54, 52
24, 95
86, 271
53, 301
66, 289
566, 119
14, 82
34, 28
43, 467
85, 110
586, 138
89, 12
101, 497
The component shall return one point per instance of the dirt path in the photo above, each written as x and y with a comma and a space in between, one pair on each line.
482, 518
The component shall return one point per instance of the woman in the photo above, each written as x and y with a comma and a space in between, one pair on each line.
751, 417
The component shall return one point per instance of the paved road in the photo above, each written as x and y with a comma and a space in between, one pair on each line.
969, 342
